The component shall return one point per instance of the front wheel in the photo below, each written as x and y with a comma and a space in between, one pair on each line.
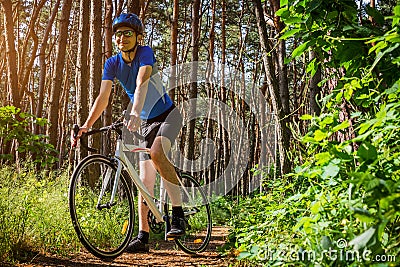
103, 226
197, 215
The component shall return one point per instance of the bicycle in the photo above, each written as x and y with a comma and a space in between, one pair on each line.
101, 202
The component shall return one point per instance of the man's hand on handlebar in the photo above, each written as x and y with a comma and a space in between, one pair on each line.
133, 124
76, 133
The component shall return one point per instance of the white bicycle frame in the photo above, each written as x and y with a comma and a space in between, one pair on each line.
120, 155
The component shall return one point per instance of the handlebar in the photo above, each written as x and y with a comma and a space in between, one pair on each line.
116, 127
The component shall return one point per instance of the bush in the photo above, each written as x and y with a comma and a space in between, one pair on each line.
15, 127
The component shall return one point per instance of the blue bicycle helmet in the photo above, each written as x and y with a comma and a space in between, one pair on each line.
128, 20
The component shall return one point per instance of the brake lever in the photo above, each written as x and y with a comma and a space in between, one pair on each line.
75, 131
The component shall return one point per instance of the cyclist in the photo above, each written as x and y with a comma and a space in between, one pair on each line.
152, 111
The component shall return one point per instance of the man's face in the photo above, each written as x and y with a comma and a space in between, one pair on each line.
125, 38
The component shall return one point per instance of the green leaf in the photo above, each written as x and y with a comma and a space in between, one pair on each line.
364, 239
363, 215
367, 151
243, 255
313, 5
339, 96
365, 126
306, 117
381, 54
293, 20
320, 135
283, 12
308, 139
341, 126
396, 10
312, 67
322, 158
327, 120
326, 242
372, 183
378, 47
300, 49
289, 33
303, 221
332, 15
348, 92
387, 202
316, 207
394, 89
330, 171
254, 250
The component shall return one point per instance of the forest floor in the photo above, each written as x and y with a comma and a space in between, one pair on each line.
162, 253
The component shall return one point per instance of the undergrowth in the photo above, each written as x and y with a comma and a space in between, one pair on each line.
34, 214
35, 217
341, 205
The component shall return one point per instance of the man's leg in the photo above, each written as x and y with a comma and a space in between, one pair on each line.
158, 152
148, 177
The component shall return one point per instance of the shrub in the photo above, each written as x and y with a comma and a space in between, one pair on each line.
15, 127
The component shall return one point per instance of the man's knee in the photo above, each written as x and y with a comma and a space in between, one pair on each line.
157, 154
159, 149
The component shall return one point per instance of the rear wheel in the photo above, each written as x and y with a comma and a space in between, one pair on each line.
104, 228
197, 215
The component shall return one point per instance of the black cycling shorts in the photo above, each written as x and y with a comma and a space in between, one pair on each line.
167, 124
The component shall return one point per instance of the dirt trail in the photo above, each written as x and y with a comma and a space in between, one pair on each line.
162, 253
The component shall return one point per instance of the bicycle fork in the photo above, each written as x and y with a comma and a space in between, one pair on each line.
105, 182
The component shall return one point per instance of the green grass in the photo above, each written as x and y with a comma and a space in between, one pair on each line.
34, 214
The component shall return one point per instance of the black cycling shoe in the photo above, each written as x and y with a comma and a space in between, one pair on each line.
178, 226
137, 245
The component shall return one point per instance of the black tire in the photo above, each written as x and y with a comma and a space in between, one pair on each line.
197, 215
106, 231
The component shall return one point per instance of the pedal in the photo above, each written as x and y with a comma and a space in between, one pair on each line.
170, 239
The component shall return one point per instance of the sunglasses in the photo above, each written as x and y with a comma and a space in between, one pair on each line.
127, 33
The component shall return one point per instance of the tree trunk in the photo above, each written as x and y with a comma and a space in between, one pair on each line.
26, 69
190, 144
134, 6
273, 86
174, 50
283, 83
42, 64
108, 33
223, 136
315, 90
11, 53
64, 133
82, 73
210, 174
372, 5
95, 61
58, 77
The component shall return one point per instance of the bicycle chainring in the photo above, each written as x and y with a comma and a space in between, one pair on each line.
156, 227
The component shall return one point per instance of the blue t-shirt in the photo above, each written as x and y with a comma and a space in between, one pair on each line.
157, 100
